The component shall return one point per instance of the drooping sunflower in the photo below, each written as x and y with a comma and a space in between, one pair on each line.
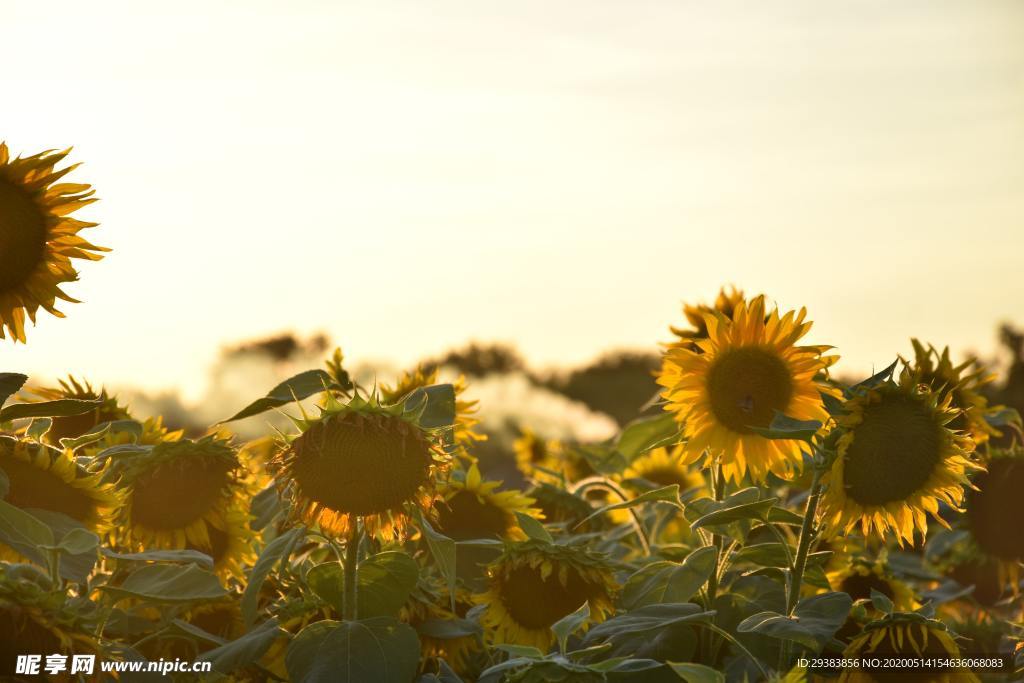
534, 584
465, 410
74, 426
38, 238
533, 452
897, 460
994, 507
360, 460
725, 303
963, 382
182, 494
904, 635
748, 368
45, 478
472, 507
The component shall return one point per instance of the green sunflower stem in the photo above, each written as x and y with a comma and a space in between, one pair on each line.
351, 606
718, 541
796, 577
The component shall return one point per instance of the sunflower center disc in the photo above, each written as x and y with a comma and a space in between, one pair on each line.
31, 487
177, 494
22, 235
995, 510
746, 386
894, 451
538, 603
464, 517
361, 466
859, 586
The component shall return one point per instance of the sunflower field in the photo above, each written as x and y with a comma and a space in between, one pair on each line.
760, 519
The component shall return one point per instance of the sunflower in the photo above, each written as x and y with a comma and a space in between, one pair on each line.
904, 635
963, 382
149, 432
38, 238
748, 368
472, 508
860, 577
994, 505
428, 608
360, 460
534, 584
465, 411
74, 426
663, 467
897, 460
725, 303
182, 495
559, 506
45, 478
533, 452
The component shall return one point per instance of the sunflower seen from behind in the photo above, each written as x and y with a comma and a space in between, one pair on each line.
534, 584
748, 368
108, 409
38, 238
361, 460
995, 509
725, 303
896, 461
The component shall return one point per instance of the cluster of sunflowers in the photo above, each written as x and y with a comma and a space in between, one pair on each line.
764, 515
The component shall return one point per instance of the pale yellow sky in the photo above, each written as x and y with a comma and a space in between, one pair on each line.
406, 176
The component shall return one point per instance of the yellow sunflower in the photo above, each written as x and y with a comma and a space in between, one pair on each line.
725, 303
38, 238
897, 460
48, 479
534, 584
860, 577
904, 635
360, 460
471, 507
149, 432
533, 452
183, 495
994, 507
465, 411
963, 382
749, 367
664, 467
74, 426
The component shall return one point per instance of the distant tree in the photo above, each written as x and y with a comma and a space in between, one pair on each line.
617, 384
480, 360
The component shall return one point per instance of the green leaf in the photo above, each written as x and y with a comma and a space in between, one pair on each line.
649, 618
380, 650
697, 673
433, 406
533, 528
245, 650
813, 625
10, 384
175, 556
647, 433
383, 585
668, 494
274, 552
785, 427
873, 381
448, 629
19, 529
779, 515
169, 584
79, 542
302, 385
1003, 417
569, 624
74, 566
442, 549
64, 407
668, 582
881, 602
764, 554
744, 511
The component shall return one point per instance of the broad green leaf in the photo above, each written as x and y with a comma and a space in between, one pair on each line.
381, 650
273, 553
448, 629
302, 385
1003, 417
327, 581
10, 384
175, 556
646, 619
64, 407
533, 528
647, 433
697, 673
442, 549
813, 625
264, 507
785, 427
569, 624
745, 511
169, 584
74, 566
19, 529
668, 582
764, 554
668, 494
873, 381
245, 650
78, 542
385, 582
881, 602
779, 515
433, 406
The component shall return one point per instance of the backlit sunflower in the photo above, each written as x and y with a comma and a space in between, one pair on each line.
725, 303
533, 452
861, 577
748, 368
38, 238
663, 467
465, 411
49, 479
534, 584
904, 635
149, 432
897, 460
360, 460
995, 507
182, 494
559, 506
963, 382
74, 426
471, 507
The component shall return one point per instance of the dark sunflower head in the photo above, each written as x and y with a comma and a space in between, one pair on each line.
74, 426
995, 506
